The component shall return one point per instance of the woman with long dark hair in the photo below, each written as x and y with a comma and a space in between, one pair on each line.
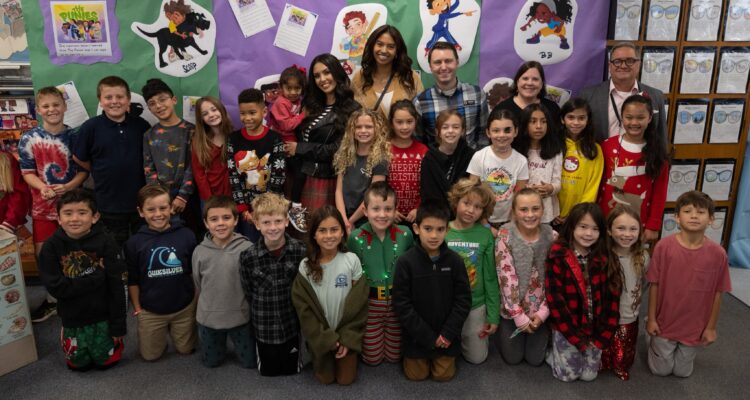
328, 103
386, 75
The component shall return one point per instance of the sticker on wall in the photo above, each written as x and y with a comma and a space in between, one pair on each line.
184, 37
452, 21
497, 90
351, 31
544, 30
83, 32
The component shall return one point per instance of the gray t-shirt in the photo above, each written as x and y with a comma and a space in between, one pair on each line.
335, 284
632, 289
356, 181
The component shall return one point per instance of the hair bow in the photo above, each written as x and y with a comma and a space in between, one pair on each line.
301, 69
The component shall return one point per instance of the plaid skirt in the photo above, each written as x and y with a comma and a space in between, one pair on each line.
318, 192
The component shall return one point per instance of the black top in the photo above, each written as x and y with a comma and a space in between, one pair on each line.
440, 171
86, 276
552, 108
115, 151
431, 298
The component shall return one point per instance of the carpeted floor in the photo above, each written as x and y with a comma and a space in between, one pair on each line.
721, 372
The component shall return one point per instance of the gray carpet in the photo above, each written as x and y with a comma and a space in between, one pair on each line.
721, 372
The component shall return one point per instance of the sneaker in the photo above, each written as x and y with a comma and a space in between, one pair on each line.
44, 311
298, 217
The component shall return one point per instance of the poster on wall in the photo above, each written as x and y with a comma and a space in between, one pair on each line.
253, 16
13, 45
15, 322
295, 29
351, 31
737, 21
183, 37
544, 31
81, 32
452, 21
663, 20
703, 23
628, 19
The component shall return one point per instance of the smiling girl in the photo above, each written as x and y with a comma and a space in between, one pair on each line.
503, 168
209, 151
636, 167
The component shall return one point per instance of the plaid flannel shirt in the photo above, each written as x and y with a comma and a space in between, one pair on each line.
469, 100
267, 283
565, 290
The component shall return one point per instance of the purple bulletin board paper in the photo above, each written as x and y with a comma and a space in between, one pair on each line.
583, 68
254, 57
113, 29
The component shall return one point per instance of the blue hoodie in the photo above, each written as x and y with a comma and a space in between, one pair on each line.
159, 263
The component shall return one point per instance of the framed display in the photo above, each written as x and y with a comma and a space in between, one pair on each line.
726, 121
717, 178
663, 19
697, 70
683, 177
690, 122
628, 19
737, 21
735, 63
668, 223
715, 230
657, 67
703, 22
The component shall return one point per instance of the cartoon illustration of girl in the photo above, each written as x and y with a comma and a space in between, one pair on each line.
445, 11
554, 14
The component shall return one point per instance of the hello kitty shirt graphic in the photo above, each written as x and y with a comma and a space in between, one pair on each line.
571, 164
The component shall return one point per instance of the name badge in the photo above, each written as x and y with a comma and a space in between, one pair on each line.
445, 269
469, 102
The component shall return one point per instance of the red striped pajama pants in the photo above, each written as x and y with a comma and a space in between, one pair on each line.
382, 339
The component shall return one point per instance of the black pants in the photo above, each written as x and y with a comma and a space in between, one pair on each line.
279, 359
121, 226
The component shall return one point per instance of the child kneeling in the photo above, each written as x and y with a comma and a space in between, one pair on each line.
432, 298
81, 265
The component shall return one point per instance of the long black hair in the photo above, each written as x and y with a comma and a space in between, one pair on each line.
575, 216
551, 145
313, 248
315, 100
401, 62
586, 142
654, 153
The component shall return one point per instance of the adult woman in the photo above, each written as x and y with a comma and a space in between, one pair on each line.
529, 87
327, 104
386, 67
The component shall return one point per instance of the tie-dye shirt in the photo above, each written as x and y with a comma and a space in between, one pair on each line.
48, 156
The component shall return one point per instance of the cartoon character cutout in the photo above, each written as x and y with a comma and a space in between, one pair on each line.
445, 11
554, 14
186, 32
353, 28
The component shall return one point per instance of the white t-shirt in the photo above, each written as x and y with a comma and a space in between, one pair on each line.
547, 171
335, 284
501, 175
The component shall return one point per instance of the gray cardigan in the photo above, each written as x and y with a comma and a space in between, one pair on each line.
216, 272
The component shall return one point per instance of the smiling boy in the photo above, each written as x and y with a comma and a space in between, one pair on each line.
378, 244
166, 146
110, 146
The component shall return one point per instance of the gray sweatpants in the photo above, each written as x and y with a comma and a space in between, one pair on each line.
474, 348
524, 346
667, 357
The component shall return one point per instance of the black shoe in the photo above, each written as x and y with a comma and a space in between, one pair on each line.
44, 311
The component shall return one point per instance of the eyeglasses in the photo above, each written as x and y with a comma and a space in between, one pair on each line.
618, 62
632, 11
158, 100
664, 66
740, 66
736, 12
721, 116
723, 176
702, 66
668, 13
709, 12
697, 117
677, 176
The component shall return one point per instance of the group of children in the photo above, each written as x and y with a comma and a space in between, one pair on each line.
487, 262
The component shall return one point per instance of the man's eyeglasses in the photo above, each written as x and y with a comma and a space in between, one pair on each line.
618, 62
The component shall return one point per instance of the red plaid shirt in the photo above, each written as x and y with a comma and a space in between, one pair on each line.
565, 289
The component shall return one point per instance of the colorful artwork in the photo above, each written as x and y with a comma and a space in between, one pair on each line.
353, 27
13, 45
184, 37
544, 30
81, 28
452, 21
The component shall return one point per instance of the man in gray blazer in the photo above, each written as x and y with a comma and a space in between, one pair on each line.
607, 97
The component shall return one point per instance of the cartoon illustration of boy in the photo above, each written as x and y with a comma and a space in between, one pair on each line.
554, 14
355, 23
176, 12
445, 11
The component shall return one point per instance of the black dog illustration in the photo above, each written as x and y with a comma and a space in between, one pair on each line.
178, 43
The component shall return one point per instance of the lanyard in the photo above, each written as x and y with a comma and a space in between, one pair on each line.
614, 107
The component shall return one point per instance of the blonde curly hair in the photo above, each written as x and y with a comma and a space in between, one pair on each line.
380, 151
